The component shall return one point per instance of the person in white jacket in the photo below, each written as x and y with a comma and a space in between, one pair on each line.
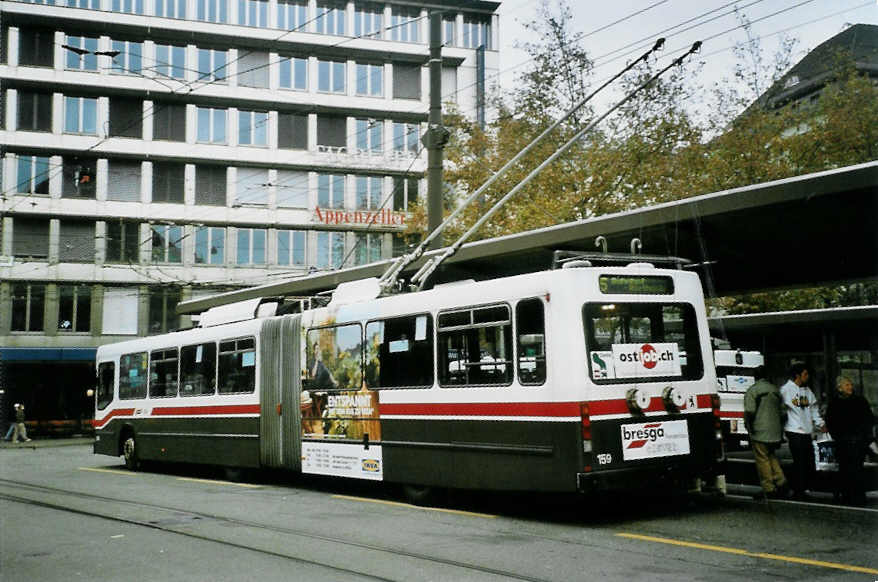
803, 419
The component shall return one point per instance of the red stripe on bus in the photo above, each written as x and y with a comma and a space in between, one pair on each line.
112, 413
731, 414
606, 407
206, 410
558, 409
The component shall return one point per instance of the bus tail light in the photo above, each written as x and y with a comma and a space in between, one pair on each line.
714, 405
586, 427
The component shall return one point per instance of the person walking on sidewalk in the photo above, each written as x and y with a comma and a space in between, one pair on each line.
803, 418
849, 420
20, 429
763, 417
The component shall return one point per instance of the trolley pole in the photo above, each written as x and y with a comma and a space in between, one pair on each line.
436, 136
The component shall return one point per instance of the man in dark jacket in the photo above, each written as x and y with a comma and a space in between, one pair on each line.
763, 416
849, 419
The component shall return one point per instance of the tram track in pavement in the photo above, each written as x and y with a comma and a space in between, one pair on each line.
182, 521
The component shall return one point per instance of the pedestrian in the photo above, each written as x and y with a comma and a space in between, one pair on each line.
803, 418
849, 419
20, 430
763, 417
8, 436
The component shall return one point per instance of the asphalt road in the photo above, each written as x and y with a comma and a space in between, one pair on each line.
66, 514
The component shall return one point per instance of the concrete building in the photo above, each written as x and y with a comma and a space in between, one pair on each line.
161, 150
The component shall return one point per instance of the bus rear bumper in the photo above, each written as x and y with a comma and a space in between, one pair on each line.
673, 476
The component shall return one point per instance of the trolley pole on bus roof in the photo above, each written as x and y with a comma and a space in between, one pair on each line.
436, 136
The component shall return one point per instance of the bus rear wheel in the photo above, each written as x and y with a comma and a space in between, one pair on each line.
421, 495
129, 452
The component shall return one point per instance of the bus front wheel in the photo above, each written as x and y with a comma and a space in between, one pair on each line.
129, 451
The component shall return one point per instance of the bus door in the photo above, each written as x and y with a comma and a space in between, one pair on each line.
280, 426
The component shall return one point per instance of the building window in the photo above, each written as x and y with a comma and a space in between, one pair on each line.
81, 115
476, 32
370, 133
87, 4
168, 182
252, 128
130, 57
211, 125
251, 246
237, 366
170, 61
404, 23
126, 117
168, 121
163, 310
74, 308
212, 10
293, 73
368, 247
28, 301
252, 186
212, 65
405, 192
449, 84
292, 131
291, 247
123, 180
34, 111
210, 245
82, 62
167, 243
330, 18
369, 192
253, 13
406, 137
292, 15
36, 47
330, 250
78, 177
253, 69
30, 237
292, 189
127, 6
475, 347
210, 185
406, 81
368, 20
370, 80
76, 241
331, 76
123, 242
448, 36
33, 175
330, 191
331, 131
399, 352
170, 8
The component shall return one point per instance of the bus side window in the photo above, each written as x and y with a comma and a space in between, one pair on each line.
531, 339
198, 370
132, 376
475, 346
163, 373
399, 352
106, 379
237, 366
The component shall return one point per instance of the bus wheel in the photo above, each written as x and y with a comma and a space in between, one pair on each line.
129, 451
421, 494
234, 474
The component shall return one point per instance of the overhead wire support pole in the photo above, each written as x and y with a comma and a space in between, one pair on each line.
437, 136
430, 266
388, 279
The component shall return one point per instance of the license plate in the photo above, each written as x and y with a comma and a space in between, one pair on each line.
649, 440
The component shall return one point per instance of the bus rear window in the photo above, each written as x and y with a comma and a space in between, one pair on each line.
642, 341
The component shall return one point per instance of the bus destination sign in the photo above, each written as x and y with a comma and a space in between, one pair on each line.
636, 285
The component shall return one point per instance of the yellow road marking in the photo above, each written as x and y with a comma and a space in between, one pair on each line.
741, 552
216, 482
408, 505
114, 471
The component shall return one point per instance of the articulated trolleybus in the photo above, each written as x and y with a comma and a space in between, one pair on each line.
578, 378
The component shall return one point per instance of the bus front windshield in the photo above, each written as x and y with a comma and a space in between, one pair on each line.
642, 341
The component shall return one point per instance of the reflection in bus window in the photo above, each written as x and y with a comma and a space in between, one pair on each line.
106, 376
531, 328
132, 376
163, 373
198, 370
237, 366
334, 357
399, 352
475, 347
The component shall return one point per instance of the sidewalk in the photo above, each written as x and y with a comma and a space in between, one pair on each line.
40, 443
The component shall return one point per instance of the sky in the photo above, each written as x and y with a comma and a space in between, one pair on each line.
811, 21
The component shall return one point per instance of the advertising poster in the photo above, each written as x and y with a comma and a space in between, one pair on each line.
654, 439
643, 360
